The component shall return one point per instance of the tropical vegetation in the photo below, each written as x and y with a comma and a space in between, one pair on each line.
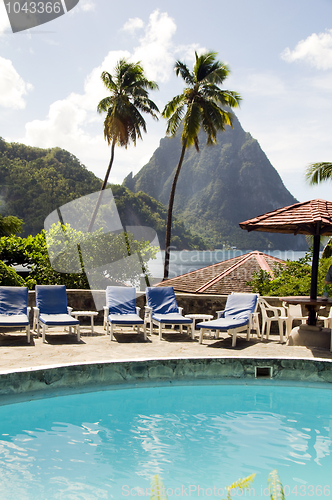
318, 172
56, 257
124, 122
275, 487
292, 279
202, 104
10, 225
52, 178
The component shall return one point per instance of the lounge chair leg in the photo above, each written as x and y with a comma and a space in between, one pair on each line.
28, 333
78, 331
112, 326
160, 331
43, 333
234, 339
201, 335
192, 331
144, 331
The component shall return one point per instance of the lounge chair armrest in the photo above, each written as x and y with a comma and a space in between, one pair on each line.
106, 310
138, 310
180, 310
220, 314
148, 309
69, 310
28, 311
36, 312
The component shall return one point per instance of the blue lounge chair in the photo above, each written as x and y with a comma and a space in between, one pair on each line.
239, 315
52, 310
162, 309
121, 310
14, 310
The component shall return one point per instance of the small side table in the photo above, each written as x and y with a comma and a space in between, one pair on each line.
92, 314
199, 317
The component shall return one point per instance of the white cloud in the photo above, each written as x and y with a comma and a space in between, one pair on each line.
133, 24
87, 5
12, 86
4, 21
74, 124
316, 50
156, 50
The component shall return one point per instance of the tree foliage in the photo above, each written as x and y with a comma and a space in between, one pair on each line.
54, 259
10, 225
34, 182
292, 279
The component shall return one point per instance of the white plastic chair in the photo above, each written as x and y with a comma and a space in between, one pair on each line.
269, 314
293, 312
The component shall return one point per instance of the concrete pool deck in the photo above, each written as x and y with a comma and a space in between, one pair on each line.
62, 349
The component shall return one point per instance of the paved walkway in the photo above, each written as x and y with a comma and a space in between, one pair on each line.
64, 349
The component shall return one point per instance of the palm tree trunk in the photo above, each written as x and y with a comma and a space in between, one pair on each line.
170, 212
103, 187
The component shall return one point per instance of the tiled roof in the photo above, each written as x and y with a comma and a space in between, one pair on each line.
224, 277
301, 218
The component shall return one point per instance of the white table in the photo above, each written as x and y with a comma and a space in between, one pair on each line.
92, 314
199, 317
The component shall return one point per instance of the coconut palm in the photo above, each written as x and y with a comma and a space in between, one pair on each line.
318, 172
124, 122
202, 104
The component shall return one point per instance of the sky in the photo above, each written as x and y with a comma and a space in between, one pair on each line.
279, 53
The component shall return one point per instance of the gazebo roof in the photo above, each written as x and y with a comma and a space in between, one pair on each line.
309, 217
224, 277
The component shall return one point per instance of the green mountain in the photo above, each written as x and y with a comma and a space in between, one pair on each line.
34, 182
219, 187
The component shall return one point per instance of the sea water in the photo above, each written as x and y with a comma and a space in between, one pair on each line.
197, 438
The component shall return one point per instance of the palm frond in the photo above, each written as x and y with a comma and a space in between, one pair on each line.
157, 489
191, 124
173, 104
129, 97
241, 484
275, 486
318, 172
182, 69
175, 120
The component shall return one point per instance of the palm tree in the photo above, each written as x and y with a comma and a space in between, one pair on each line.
201, 104
318, 172
124, 122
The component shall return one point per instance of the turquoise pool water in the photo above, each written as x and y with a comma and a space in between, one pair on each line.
199, 439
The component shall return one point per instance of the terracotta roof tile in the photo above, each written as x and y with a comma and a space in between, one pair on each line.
224, 277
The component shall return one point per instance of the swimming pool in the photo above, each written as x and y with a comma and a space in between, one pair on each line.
198, 438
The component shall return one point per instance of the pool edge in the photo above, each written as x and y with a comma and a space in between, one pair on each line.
107, 374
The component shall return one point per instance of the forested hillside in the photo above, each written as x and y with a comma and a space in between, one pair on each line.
34, 182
